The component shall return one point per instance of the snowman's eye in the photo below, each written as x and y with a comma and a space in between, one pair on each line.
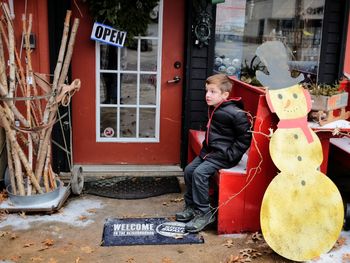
280, 96
295, 95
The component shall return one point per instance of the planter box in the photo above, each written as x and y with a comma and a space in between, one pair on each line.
327, 103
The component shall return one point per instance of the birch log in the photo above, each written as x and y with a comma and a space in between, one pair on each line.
32, 136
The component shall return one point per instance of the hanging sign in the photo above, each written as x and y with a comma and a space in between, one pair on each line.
108, 35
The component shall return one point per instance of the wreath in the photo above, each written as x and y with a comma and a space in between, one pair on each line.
132, 16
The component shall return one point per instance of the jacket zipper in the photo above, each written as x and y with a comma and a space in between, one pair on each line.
210, 116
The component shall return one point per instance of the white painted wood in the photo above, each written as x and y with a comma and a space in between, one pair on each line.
119, 106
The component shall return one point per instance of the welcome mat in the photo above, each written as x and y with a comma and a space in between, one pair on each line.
133, 187
146, 231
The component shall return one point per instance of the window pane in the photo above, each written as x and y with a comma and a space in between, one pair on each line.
149, 55
127, 78
127, 122
147, 123
242, 25
128, 56
229, 34
108, 122
128, 88
153, 26
108, 57
108, 88
148, 88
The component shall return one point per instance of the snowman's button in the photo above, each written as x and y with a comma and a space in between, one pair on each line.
303, 182
296, 136
299, 158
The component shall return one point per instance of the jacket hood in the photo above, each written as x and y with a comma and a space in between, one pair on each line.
236, 101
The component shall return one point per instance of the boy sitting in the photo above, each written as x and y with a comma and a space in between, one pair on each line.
227, 138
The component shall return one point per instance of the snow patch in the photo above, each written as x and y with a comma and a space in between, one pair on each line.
70, 214
337, 254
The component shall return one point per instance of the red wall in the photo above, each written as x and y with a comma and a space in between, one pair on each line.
83, 68
347, 51
40, 55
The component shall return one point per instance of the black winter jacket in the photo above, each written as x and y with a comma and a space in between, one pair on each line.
227, 137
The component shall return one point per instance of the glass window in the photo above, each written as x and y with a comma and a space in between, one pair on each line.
108, 124
128, 87
127, 122
147, 122
242, 25
149, 51
148, 89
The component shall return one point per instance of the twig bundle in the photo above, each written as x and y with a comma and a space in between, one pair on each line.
29, 105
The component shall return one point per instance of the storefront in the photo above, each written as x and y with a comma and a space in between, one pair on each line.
138, 102
314, 31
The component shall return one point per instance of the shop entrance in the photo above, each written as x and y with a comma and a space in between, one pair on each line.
130, 111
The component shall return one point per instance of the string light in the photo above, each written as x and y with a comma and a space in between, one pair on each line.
252, 171
255, 170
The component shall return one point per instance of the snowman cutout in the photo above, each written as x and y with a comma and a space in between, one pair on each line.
302, 211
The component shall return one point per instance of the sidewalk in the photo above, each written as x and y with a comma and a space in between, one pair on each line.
74, 235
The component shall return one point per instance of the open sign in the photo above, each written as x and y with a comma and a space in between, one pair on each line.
108, 35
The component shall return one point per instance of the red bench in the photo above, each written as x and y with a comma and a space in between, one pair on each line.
241, 188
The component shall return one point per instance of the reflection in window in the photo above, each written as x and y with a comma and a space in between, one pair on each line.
147, 123
129, 56
108, 122
149, 56
108, 88
148, 88
242, 25
128, 88
127, 122
108, 57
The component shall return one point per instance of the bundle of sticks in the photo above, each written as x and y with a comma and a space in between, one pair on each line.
29, 104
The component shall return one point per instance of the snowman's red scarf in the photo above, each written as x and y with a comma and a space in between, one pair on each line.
297, 123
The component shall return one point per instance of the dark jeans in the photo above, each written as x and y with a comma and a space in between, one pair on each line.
197, 175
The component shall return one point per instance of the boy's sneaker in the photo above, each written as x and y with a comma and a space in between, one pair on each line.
185, 215
199, 222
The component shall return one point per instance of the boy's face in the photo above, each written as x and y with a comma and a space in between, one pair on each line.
214, 95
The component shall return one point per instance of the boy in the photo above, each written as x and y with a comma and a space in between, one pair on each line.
227, 138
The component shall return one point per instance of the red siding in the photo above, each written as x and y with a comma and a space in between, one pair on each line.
347, 52
40, 55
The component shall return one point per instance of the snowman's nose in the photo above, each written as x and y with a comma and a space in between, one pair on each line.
287, 104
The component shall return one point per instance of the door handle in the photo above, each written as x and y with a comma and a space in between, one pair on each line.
176, 79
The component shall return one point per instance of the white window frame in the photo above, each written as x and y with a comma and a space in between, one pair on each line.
98, 72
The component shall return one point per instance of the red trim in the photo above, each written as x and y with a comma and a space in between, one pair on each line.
210, 115
234, 99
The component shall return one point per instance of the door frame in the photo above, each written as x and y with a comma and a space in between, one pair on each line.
85, 148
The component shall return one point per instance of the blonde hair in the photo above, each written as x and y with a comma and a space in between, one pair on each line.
222, 81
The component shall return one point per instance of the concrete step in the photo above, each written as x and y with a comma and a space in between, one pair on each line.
91, 172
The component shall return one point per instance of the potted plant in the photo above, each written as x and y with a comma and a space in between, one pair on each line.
248, 71
327, 97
